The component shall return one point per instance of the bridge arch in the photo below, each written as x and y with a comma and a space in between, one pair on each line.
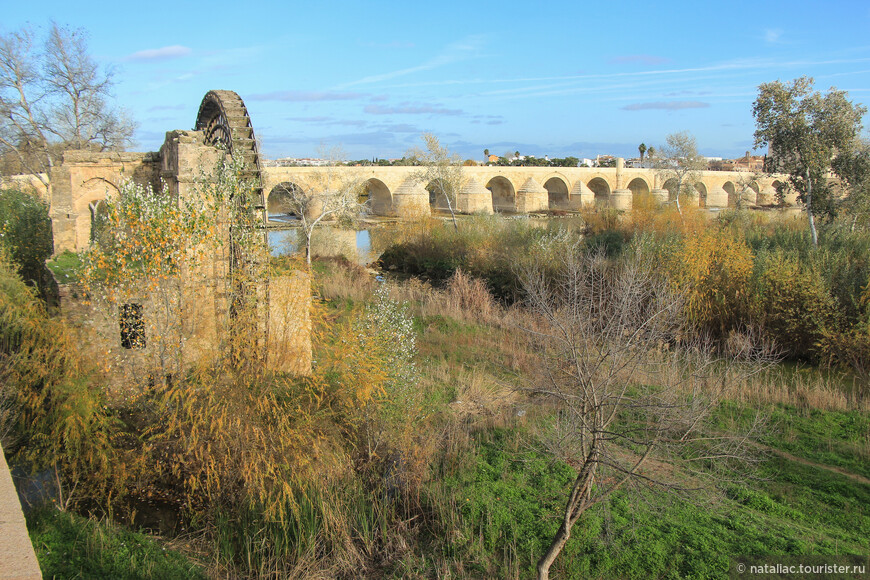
702, 193
279, 201
557, 192
640, 190
753, 185
731, 190
601, 189
671, 185
378, 196
779, 190
504, 195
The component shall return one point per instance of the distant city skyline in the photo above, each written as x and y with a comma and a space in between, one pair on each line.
562, 80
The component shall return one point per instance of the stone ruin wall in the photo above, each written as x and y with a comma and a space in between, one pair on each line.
199, 297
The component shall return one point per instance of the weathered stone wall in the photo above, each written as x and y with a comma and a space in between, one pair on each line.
81, 181
289, 341
186, 318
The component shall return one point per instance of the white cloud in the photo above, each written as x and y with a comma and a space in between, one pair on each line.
159, 54
666, 106
306, 96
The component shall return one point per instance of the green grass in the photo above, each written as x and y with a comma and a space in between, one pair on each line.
66, 267
835, 438
503, 498
70, 546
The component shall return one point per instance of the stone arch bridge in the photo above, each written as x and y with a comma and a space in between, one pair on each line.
86, 178
394, 191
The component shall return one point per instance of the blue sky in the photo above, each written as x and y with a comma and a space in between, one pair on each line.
561, 78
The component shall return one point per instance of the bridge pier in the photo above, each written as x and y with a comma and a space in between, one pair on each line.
621, 199
474, 198
410, 200
532, 197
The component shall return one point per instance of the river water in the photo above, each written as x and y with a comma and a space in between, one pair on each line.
328, 241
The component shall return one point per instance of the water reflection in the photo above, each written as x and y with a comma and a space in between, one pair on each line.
329, 241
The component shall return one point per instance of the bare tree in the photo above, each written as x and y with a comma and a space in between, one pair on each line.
632, 389
440, 168
679, 160
54, 99
745, 192
334, 195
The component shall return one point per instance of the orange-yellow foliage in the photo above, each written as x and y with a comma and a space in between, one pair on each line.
712, 269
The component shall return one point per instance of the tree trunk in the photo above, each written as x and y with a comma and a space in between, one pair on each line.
576, 505
679, 190
452, 214
812, 220
308, 248
555, 548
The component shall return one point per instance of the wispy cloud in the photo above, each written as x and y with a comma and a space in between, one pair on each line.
307, 96
411, 110
159, 54
311, 119
167, 108
399, 128
322, 120
772, 35
465, 49
644, 59
686, 93
666, 106
580, 83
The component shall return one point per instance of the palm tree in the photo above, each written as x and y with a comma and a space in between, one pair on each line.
485, 156
641, 149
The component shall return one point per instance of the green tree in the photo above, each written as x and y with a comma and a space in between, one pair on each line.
854, 168
25, 230
804, 131
641, 149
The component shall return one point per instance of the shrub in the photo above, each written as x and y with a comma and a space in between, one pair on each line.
793, 304
713, 270
55, 410
25, 230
